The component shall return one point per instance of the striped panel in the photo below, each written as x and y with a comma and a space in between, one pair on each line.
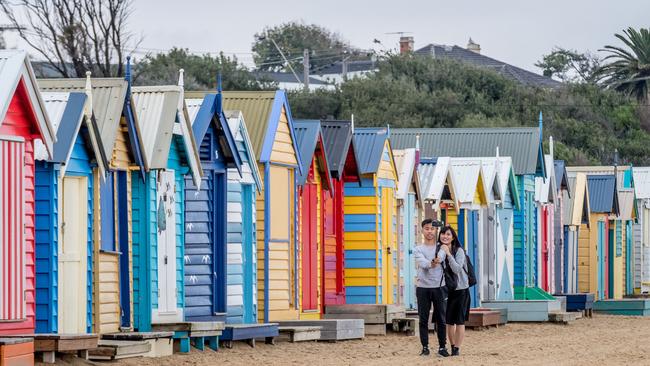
360, 258
12, 247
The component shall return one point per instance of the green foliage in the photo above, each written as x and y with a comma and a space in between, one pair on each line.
570, 65
587, 122
293, 38
200, 71
629, 68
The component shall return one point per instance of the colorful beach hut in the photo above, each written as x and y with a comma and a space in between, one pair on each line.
112, 240
64, 215
577, 231
339, 147
23, 118
409, 212
314, 183
206, 253
641, 228
242, 227
268, 119
370, 222
563, 194
158, 214
524, 145
546, 199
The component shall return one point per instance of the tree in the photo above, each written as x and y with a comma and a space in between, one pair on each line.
293, 38
569, 65
74, 36
200, 71
629, 69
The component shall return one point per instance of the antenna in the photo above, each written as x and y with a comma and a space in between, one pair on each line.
401, 33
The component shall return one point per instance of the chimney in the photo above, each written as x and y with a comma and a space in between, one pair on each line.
473, 46
405, 45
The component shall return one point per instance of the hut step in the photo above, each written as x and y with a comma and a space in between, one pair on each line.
562, 317
300, 333
114, 349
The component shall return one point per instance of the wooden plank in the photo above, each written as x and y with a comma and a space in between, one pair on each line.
171, 327
342, 334
77, 344
375, 329
367, 318
205, 333
137, 336
355, 309
116, 349
207, 326
301, 334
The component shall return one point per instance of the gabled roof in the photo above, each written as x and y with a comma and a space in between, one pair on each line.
110, 99
464, 55
466, 180
523, 144
504, 177
66, 112
240, 132
624, 173
209, 111
262, 111
603, 197
156, 108
337, 136
407, 174
545, 188
183, 128
641, 182
309, 141
434, 175
369, 145
561, 182
576, 207
16, 70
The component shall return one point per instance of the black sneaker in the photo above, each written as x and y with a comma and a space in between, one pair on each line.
443, 352
455, 351
425, 351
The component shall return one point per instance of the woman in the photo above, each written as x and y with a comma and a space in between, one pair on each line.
458, 300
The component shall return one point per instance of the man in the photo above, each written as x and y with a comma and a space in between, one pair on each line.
431, 287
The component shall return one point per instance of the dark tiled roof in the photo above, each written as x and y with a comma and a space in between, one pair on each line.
512, 72
523, 144
337, 137
369, 148
602, 193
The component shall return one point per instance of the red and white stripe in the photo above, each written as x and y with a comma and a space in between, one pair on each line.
12, 247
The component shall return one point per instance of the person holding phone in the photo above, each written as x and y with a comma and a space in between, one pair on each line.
431, 287
458, 301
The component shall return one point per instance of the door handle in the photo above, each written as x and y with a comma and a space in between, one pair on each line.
165, 259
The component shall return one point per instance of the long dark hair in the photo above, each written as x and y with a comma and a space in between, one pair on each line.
455, 243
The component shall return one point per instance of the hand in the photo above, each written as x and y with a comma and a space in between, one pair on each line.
445, 247
436, 261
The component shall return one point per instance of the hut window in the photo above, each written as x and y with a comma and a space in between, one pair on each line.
107, 208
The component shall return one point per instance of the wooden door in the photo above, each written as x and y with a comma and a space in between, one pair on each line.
166, 254
472, 252
409, 234
248, 230
12, 231
309, 241
388, 245
544, 244
123, 204
489, 263
73, 256
602, 244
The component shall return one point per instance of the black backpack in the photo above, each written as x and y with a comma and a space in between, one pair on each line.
471, 276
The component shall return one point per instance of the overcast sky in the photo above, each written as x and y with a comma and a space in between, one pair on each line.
515, 31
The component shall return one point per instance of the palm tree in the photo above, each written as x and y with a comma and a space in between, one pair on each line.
629, 69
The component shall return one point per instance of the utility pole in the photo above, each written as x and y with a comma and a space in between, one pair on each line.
305, 68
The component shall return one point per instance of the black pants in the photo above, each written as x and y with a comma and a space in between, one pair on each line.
437, 297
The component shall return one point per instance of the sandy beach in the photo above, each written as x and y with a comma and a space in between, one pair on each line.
602, 340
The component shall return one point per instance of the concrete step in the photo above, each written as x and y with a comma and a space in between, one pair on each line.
300, 333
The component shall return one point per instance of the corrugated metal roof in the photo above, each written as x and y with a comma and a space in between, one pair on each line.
560, 175
156, 108
238, 127
465, 179
108, 96
523, 144
307, 133
337, 136
369, 147
626, 204
434, 174
602, 194
641, 182
622, 172
66, 111
14, 67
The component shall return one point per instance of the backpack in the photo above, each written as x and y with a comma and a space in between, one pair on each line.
471, 276
447, 272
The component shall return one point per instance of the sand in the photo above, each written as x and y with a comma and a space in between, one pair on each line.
602, 340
